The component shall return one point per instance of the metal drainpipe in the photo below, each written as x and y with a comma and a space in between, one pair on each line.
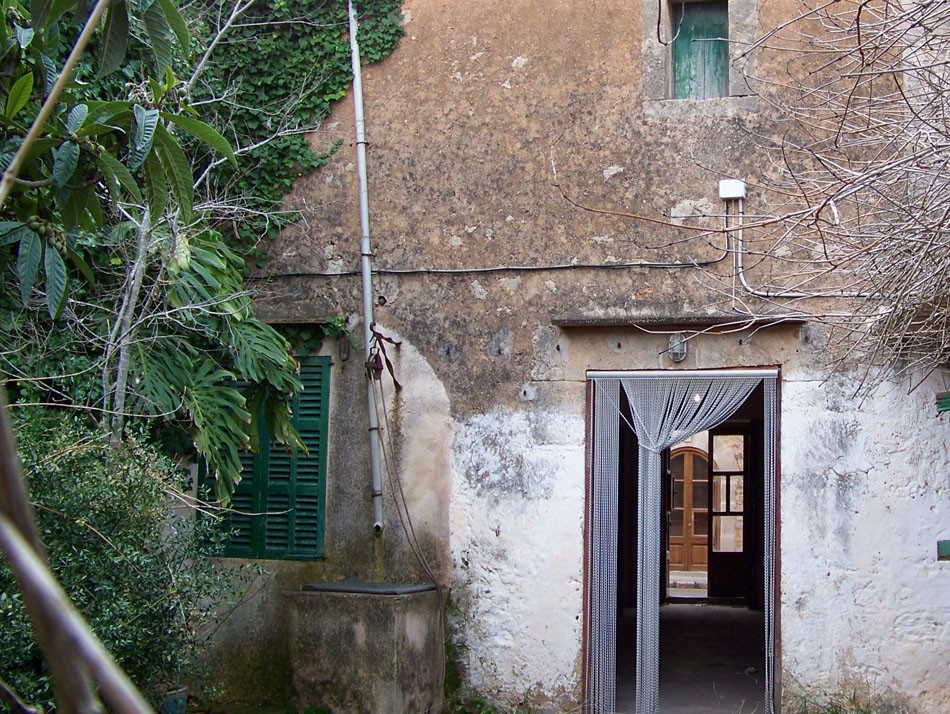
366, 268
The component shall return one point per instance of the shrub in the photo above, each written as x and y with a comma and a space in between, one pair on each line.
139, 573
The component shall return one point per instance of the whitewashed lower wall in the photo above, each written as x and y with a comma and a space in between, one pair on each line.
517, 546
865, 497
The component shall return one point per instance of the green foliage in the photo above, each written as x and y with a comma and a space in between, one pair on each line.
102, 226
105, 233
285, 65
860, 700
57, 198
139, 573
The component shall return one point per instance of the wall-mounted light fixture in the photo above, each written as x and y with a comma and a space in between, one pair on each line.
677, 351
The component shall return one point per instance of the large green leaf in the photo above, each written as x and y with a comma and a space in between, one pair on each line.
58, 8
81, 265
146, 121
77, 115
221, 421
11, 232
259, 352
202, 132
115, 38
19, 95
92, 218
177, 171
162, 369
24, 36
156, 187
28, 261
208, 257
108, 112
159, 37
116, 171
55, 282
177, 24
39, 10
52, 72
65, 162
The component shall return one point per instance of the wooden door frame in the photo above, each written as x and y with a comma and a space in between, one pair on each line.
723, 565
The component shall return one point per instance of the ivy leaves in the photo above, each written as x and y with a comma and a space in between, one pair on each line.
295, 56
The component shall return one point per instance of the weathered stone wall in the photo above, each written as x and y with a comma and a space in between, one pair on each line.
482, 110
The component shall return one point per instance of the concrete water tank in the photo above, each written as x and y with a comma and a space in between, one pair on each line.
367, 648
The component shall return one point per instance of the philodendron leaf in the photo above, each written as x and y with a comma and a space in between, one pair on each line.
115, 38
55, 282
28, 261
19, 95
65, 162
145, 122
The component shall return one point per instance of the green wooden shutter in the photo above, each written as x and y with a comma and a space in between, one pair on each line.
241, 519
309, 486
296, 482
700, 50
278, 509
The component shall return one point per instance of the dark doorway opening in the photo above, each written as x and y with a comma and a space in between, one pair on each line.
712, 641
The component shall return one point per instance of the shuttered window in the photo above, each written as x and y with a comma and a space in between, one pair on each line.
277, 510
700, 50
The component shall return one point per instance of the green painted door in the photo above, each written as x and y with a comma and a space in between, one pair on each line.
700, 50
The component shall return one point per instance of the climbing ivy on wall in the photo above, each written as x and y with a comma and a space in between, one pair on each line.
283, 66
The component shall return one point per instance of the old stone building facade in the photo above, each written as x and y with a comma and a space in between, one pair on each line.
547, 206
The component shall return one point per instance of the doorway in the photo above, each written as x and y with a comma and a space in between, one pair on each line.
713, 512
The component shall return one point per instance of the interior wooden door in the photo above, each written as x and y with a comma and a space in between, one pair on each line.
689, 509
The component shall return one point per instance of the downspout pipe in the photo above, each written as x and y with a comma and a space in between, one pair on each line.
366, 269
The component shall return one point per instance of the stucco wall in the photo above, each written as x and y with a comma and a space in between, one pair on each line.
865, 496
517, 546
485, 112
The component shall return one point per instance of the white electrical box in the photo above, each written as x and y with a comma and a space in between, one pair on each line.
731, 188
